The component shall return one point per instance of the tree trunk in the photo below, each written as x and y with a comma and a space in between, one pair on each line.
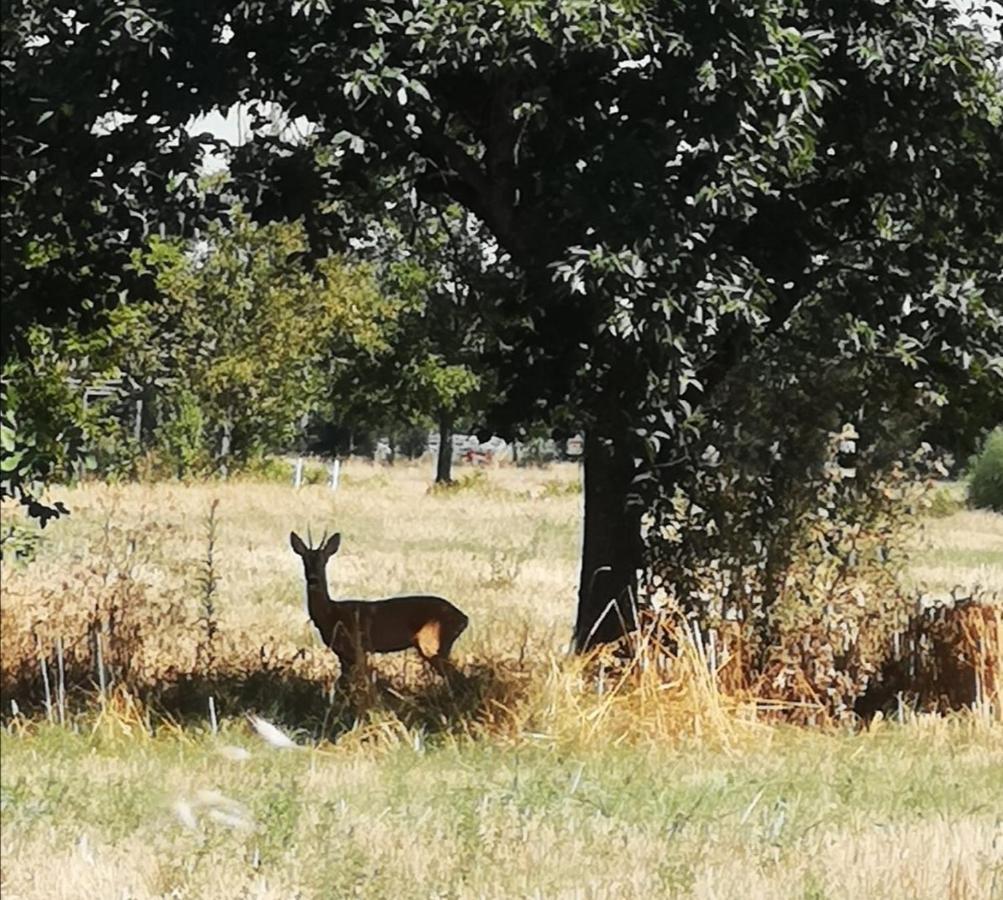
444, 463
611, 547
225, 443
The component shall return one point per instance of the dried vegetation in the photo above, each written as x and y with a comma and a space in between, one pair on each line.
172, 596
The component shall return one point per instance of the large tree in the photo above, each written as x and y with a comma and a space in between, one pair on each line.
85, 181
703, 202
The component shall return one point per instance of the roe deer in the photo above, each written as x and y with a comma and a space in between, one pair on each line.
351, 628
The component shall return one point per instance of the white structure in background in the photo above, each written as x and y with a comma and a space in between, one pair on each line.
465, 444
467, 448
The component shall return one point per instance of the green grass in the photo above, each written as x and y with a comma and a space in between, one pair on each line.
460, 819
965, 558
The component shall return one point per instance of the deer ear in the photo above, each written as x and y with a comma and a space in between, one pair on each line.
296, 542
332, 545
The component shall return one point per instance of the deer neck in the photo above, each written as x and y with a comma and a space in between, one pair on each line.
320, 606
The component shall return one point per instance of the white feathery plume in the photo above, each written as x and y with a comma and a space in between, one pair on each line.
272, 735
230, 819
186, 815
218, 807
84, 848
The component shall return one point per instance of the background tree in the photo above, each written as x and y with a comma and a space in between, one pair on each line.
82, 185
241, 342
252, 333
440, 265
52, 427
84, 182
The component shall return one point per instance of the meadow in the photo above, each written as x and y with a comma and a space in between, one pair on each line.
531, 777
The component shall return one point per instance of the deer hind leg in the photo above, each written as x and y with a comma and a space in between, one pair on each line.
433, 648
449, 633
435, 640
428, 639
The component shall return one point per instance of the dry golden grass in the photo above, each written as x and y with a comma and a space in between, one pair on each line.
508, 562
962, 552
925, 861
532, 779
130, 563
503, 551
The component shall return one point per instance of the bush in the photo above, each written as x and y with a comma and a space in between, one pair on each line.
282, 470
945, 501
181, 437
985, 484
476, 482
797, 574
554, 487
268, 468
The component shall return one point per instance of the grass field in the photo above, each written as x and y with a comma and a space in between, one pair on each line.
547, 789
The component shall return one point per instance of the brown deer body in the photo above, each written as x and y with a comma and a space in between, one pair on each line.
352, 628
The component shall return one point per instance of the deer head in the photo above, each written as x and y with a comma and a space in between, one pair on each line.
315, 558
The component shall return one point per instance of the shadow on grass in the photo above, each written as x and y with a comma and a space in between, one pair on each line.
477, 696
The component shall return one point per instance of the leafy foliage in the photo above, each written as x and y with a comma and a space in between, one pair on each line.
181, 436
84, 179
243, 338
66, 388
812, 592
248, 335
44, 424
25, 466
985, 484
433, 369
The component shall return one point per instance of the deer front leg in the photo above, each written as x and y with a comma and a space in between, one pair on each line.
350, 655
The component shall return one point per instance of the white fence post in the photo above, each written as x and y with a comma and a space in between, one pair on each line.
298, 473
335, 473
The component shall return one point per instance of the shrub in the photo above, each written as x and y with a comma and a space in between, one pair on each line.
316, 474
985, 485
268, 468
554, 487
945, 501
476, 481
801, 583
181, 438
